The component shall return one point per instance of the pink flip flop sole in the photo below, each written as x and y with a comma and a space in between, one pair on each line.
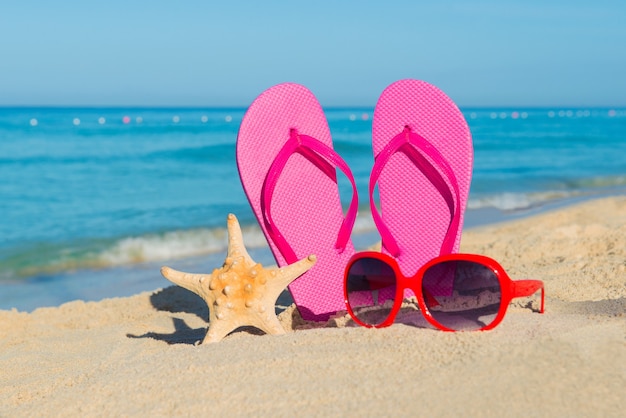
303, 197
417, 215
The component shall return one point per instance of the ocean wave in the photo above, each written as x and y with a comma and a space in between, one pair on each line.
573, 188
511, 202
42, 260
517, 201
49, 259
364, 222
176, 244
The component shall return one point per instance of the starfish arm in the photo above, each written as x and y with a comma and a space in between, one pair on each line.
268, 323
218, 330
287, 274
236, 247
191, 282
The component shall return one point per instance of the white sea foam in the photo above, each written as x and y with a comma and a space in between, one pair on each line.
190, 243
175, 244
364, 222
517, 201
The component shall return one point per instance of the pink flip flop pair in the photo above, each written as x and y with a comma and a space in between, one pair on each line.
423, 167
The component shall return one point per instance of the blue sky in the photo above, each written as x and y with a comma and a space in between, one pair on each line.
210, 53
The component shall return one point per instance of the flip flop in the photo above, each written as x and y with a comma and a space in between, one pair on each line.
287, 166
423, 167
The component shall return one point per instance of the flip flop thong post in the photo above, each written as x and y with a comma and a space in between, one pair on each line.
423, 168
287, 167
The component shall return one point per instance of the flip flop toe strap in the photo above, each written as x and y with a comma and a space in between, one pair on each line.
325, 159
432, 164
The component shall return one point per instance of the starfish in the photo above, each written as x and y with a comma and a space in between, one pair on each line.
241, 292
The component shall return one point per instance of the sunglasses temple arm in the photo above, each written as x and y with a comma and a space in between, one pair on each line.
524, 288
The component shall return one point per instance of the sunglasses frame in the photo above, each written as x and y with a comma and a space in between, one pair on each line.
510, 289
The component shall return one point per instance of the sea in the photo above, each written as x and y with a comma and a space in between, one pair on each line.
94, 200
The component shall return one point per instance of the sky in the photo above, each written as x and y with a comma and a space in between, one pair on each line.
224, 53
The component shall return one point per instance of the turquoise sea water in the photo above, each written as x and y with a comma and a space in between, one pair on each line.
95, 195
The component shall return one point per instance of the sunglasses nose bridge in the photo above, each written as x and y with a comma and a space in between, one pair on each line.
411, 282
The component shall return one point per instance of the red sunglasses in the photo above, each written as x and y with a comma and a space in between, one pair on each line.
455, 292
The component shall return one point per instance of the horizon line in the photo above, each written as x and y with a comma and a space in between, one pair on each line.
334, 107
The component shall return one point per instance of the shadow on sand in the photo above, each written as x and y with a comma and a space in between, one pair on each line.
176, 299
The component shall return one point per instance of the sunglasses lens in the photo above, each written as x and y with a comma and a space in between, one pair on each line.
370, 283
462, 295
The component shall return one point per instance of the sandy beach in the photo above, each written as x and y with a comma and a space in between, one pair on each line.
137, 355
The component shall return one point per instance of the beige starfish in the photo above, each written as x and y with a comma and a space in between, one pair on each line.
241, 292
